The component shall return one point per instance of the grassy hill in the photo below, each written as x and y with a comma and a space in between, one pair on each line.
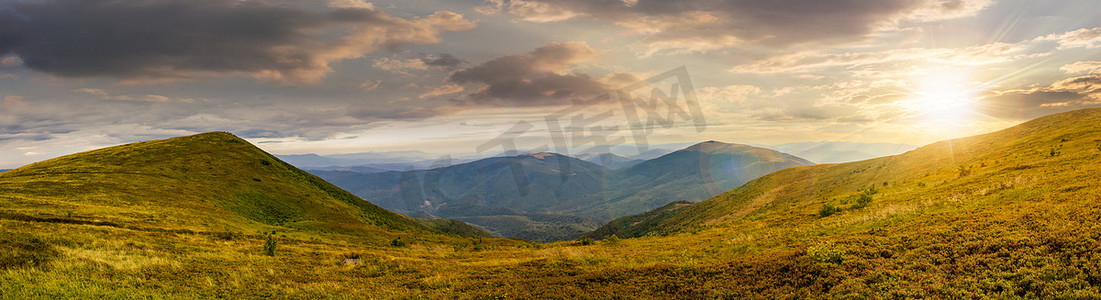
206, 182
1007, 215
1047, 158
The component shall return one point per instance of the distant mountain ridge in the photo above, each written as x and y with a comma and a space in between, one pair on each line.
619, 156
609, 160
547, 196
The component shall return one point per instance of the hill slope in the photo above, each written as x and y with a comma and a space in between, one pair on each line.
211, 181
1042, 160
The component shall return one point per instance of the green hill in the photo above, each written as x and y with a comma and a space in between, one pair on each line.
206, 182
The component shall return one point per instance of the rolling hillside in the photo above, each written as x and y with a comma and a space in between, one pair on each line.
1007, 215
206, 182
1042, 160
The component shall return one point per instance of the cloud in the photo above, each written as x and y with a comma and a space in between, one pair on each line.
538, 78
1086, 66
369, 85
445, 61
1081, 38
105, 95
807, 113
729, 94
178, 39
446, 89
1062, 95
889, 60
398, 65
12, 100
1089, 84
403, 64
705, 25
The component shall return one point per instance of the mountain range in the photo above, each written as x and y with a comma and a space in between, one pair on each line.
548, 197
375, 162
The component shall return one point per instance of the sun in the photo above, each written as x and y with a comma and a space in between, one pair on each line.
943, 100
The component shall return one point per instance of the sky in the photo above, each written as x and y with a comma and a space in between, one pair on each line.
347, 76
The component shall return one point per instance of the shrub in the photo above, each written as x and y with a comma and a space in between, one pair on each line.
269, 245
397, 242
862, 201
828, 210
585, 241
611, 239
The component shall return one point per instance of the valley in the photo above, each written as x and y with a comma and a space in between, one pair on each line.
551, 197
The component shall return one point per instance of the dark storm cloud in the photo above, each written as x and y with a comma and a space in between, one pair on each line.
173, 39
708, 24
532, 79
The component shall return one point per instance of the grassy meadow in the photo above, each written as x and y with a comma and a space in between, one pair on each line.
1011, 214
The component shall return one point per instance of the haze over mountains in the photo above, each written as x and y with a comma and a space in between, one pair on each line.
548, 197
615, 157
839, 152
